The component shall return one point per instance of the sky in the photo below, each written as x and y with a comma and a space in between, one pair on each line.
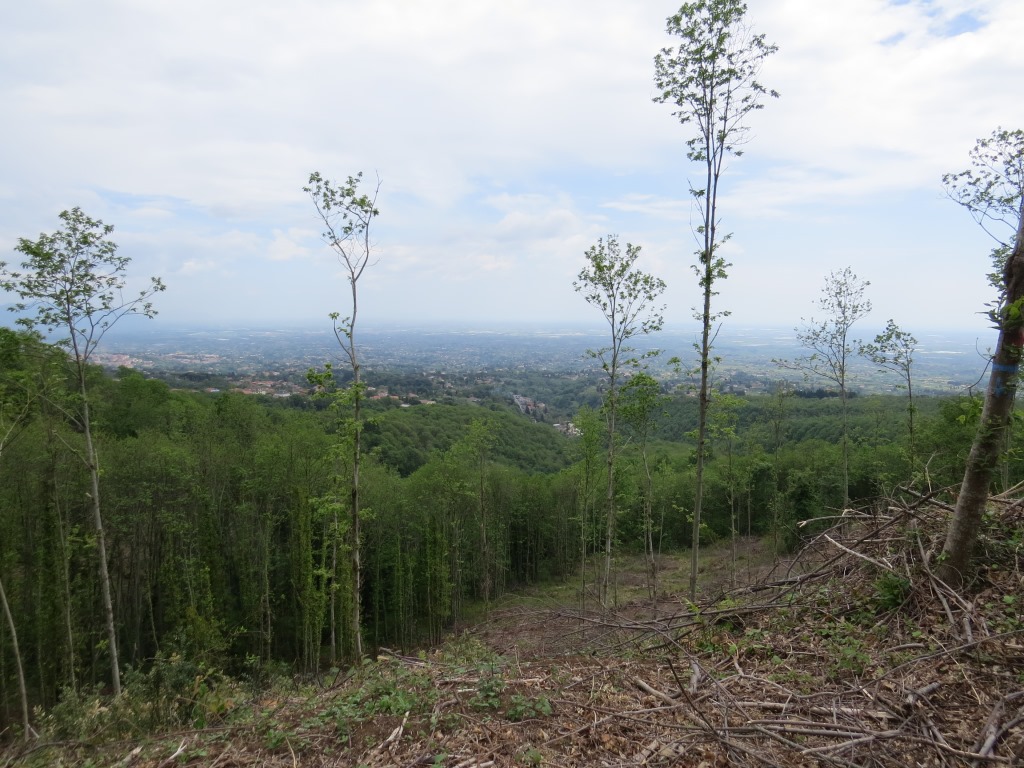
506, 138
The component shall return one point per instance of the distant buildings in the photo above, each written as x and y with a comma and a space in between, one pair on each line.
568, 429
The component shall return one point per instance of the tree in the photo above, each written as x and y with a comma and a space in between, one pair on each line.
992, 190
723, 423
347, 215
831, 348
477, 445
777, 411
624, 295
75, 280
893, 350
711, 78
17, 399
587, 450
641, 407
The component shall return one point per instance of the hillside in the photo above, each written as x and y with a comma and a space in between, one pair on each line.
850, 653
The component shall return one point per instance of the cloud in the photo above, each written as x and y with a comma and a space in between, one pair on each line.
287, 246
507, 138
671, 209
191, 267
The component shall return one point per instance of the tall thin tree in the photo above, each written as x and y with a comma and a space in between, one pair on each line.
347, 215
712, 80
625, 296
831, 347
74, 279
993, 191
893, 350
642, 405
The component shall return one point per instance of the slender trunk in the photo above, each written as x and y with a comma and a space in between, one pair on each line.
846, 446
101, 544
484, 545
357, 431
702, 426
733, 524
22, 688
65, 570
356, 565
610, 496
652, 563
583, 555
334, 591
266, 617
714, 156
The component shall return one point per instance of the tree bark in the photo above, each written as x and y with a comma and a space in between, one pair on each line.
610, 494
994, 425
22, 689
101, 542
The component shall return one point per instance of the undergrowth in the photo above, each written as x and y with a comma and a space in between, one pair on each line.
850, 653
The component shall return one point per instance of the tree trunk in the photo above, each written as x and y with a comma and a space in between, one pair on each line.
846, 438
101, 542
610, 495
989, 441
334, 591
65, 558
22, 689
356, 564
652, 562
704, 401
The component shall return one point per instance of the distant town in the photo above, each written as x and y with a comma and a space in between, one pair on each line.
544, 373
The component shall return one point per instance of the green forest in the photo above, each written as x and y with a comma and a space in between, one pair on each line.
174, 560
225, 534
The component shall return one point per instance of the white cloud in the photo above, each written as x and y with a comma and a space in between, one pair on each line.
192, 267
286, 245
507, 136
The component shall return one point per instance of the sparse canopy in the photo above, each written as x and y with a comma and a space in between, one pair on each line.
74, 279
991, 190
622, 293
711, 76
842, 304
347, 215
893, 351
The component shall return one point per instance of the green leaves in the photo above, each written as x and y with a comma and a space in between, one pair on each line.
711, 76
622, 293
993, 187
842, 303
892, 350
74, 280
346, 215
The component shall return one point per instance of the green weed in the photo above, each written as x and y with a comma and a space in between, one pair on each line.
526, 708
